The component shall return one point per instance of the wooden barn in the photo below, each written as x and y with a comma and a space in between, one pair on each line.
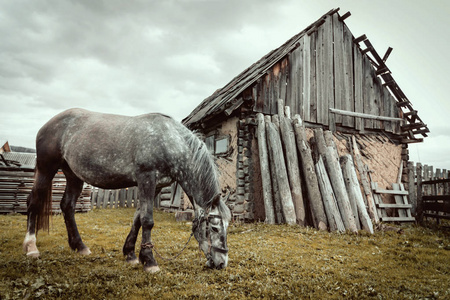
326, 79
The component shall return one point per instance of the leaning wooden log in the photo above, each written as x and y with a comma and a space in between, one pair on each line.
354, 192
265, 170
337, 181
328, 135
365, 182
292, 166
329, 199
312, 185
279, 219
277, 161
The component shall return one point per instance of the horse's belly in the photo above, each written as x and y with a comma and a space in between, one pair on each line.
108, 175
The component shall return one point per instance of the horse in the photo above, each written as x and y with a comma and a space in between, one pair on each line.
111, 151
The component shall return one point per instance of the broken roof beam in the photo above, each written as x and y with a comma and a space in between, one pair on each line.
344, 16
408, 127
386, 55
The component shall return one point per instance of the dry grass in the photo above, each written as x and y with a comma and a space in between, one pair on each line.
265, 262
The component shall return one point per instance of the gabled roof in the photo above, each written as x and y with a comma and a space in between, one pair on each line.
218, 101
226, 99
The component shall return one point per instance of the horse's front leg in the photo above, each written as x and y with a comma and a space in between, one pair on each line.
130, 242
147, 189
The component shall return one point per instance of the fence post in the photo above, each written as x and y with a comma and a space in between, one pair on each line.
412, 188
419, 212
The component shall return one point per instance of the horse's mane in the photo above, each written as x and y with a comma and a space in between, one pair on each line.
204, 167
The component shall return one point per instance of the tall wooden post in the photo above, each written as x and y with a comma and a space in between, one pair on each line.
281, 174
412, 188
329, 199
312, 185
419, 210
337, 180
354, 192
265, 170
292, 166
275, 191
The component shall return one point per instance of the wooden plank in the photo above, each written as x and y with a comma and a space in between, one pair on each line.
294, 91
359, 91
405, 199
367, 91
339, 75
349, 98
322, 102
391, 205
306, 77
437, 216
436, 197
398, 219
377, 200
391, 192
265, 170
313, 79
176, 199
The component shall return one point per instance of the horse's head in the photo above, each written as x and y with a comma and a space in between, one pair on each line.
210, 230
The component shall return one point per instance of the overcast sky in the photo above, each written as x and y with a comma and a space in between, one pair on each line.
134, 57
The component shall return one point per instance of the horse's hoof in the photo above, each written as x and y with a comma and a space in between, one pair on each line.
34, 254
85, 251
133, 261
152, 269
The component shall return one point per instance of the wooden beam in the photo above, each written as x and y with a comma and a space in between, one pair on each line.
392, 192
360, 39
345, 16
386, 205
386, 55
408, 127
363, 115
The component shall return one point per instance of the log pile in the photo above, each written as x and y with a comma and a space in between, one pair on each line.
307, 182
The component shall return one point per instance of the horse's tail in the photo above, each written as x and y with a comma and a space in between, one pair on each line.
42, 200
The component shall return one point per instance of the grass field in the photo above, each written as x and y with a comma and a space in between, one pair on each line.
265, 261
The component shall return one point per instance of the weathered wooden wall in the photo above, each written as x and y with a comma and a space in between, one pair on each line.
328, 70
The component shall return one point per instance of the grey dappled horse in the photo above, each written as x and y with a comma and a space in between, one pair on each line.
112, 152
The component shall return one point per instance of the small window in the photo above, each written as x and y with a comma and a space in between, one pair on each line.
221, 145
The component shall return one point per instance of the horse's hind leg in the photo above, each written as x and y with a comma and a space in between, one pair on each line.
74, 186
38, 209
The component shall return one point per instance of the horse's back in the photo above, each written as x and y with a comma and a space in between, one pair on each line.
97, 146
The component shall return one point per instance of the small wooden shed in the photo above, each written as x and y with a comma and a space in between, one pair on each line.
333, 81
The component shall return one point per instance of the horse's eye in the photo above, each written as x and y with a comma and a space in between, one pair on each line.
215, 229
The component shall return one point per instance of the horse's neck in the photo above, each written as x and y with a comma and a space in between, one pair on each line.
195, 188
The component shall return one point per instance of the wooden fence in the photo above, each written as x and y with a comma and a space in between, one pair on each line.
170, 198
16, 184
429, 191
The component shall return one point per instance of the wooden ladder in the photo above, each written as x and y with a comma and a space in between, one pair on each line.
401, 203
